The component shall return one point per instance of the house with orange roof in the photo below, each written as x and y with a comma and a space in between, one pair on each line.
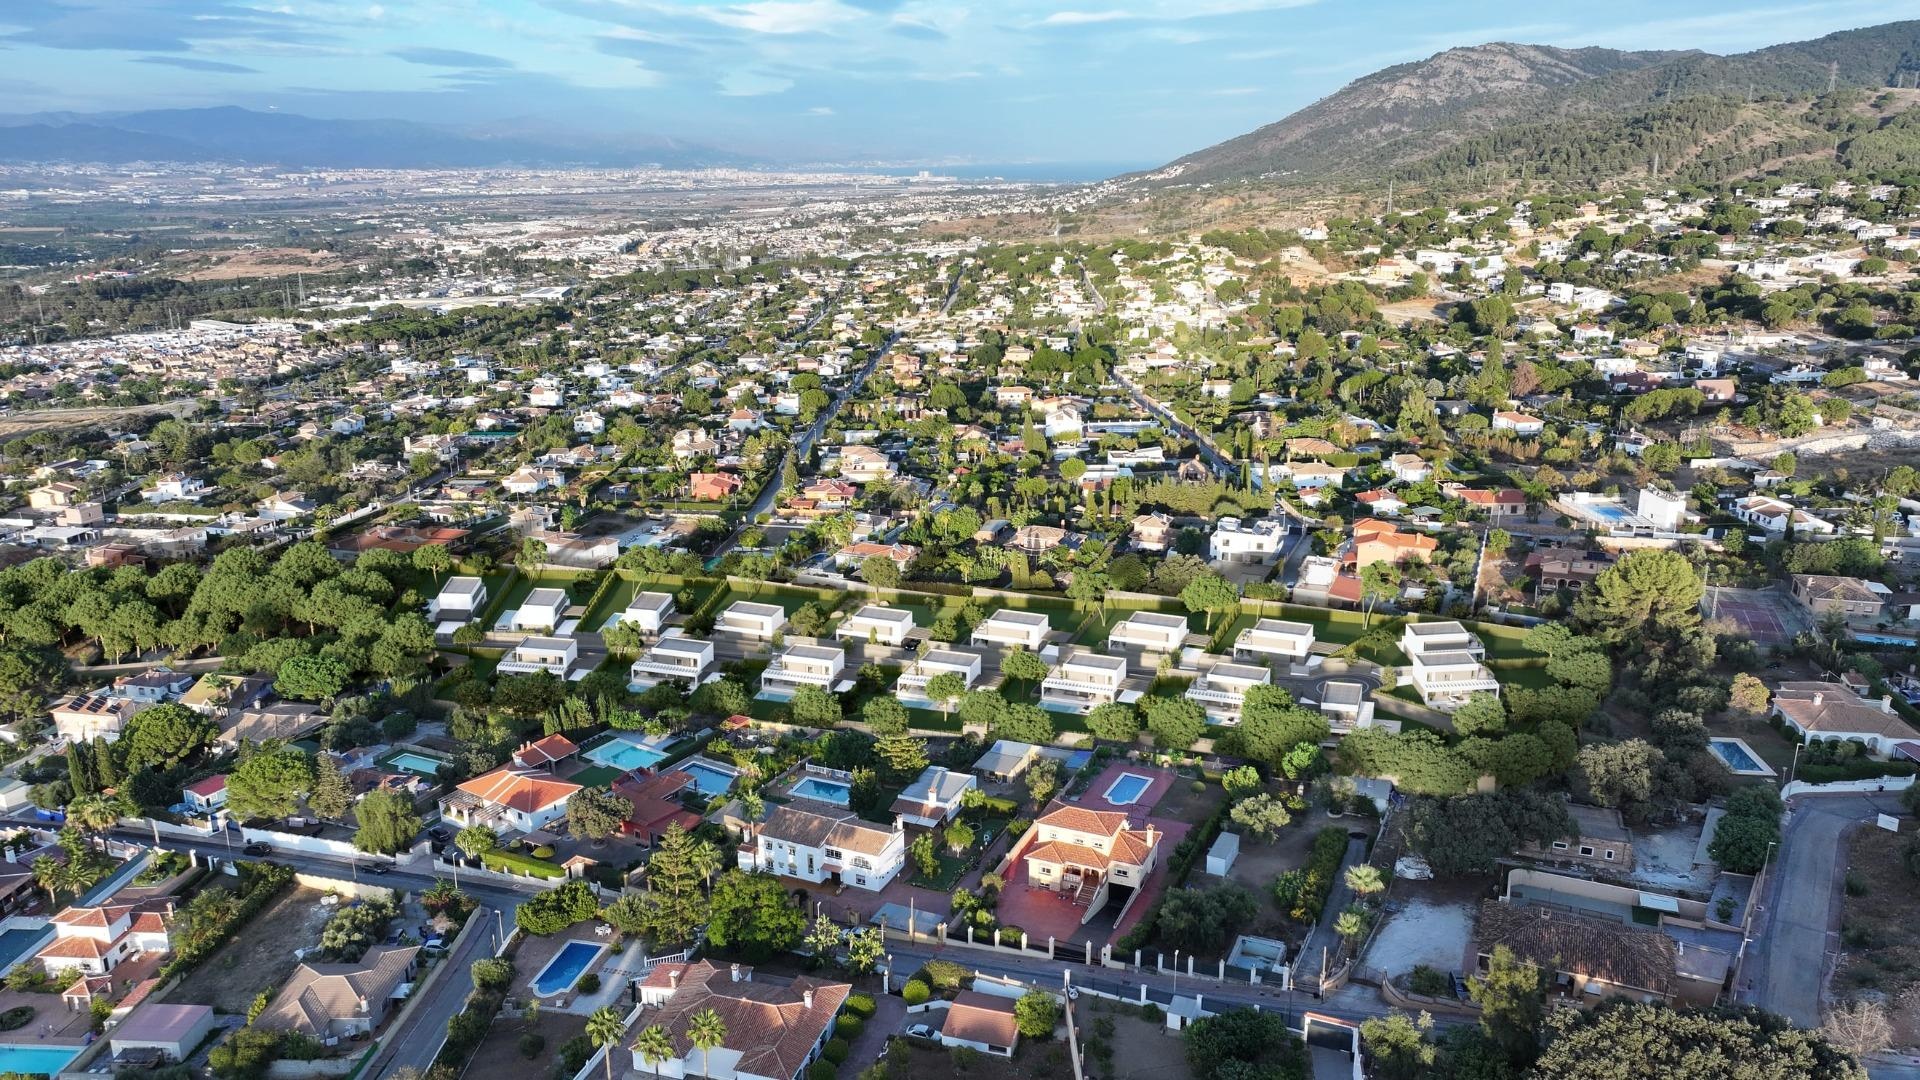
509, 798
1382, 541
546, 752
713, 487
656, 804
1496, 503
94, 940
1082, 852
775, 1028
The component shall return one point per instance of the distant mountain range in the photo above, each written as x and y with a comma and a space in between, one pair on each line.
1474, 117
245, 136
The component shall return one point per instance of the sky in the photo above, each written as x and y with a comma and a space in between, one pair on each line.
1133, 82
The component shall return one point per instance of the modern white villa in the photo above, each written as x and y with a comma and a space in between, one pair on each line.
747, 619
460, 600
911, 688
550, 654
1446, 663
933, 798
1148, 631
1083, 681
878, 624
672, 657
1274, 639
1223, 689
542, 611
649, 611
1008, 628
803, 665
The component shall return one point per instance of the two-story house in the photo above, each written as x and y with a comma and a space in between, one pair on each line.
1445, 663
554, 655
1150, 632
818, 666
1274, 639
1222, 689
1082, 853
542, 611
743, 618
773, 1030
648, 611
509, 798
911, 687
461, 599
94, 940
1008, 628
818, 843
933, 798
1083, 681
877, 624
672, 657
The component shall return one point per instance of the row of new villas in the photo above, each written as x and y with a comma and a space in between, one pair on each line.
1445, 663
1083, 681
911, 688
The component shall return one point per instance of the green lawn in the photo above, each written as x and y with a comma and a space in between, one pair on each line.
925, 608
1098, 625
595, 776
612, 602
790, 598
1530, 676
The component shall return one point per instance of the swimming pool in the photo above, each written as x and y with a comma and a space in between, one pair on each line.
837, 792
1127, 788
625, 755
565, 968
711, 777
419, 764
1739, 757
28, 1060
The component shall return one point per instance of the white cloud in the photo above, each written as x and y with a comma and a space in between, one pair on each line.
784, 16
1082, 18
820, 110
753, 84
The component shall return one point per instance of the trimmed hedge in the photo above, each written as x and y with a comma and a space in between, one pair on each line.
1323, 866
836, 1050
915, 992
1853, 770
861, 1005
514, 862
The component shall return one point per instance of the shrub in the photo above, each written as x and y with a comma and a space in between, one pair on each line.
1429, 982
492, 973
965, 1058
849, 1027
860, 1005
574, 1054
531, 1044
915, 993
822, 1070
836, 1050
552, 912
16, 1017
945, 974
589, 983
543, 852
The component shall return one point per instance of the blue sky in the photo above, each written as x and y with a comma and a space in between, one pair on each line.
1122, 81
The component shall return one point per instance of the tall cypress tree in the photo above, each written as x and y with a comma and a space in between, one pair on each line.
80, 771
105, 768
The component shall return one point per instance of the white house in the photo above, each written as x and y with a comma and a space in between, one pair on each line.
803, 665
1446, 663
206, 796
1518, 423
649, 611
1271, 638
821, 844
911, 687
1082, 681
743, 618
980, 1022
555, 655
672, 657
1081, 852
933, 797
1409, 468
1252, 542
1009, 628
543, 609
1148, 631
878, 624
509, 798
95, 940
1346, 707
1777, 517
1832, 712
1664, 510
1223, 689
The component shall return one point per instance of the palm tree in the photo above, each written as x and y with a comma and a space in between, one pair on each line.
706, 1030
605, 1029
1351, 923
94, 813
51, 874
706, 861
654, 1047
1364, 879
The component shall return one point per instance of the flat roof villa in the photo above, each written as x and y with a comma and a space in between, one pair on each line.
1082, 681
648, 610
1009, 628
804, 665
1345, 705
747, 619
1149, 631
1269, 638
911, 688
1222, 690
1445, 663
543, 609
549, 654
461, 598
672, 657
878, 624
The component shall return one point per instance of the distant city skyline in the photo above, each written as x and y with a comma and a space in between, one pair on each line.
908, 81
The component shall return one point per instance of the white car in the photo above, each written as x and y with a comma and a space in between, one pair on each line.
920, 1031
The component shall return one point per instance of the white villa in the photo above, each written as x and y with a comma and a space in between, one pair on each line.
911, 688
649, 611
672, 657
803, 665
1251, 542
460, 599
1148, 631
1009, 628
551, 654
878, 624
747, 619
933, 797
1346, 707
1446, 663
1274, 638
1082, 681
818, 843
543, 609
1223, 689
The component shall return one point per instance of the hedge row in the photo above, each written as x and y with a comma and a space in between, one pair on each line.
514, 862
1853, 770
1322, 869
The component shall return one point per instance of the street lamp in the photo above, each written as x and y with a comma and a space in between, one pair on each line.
1794, 766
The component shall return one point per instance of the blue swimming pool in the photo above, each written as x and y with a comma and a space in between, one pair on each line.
837, 792
565, 968
28, 1060
625, 755
1738, 758
1127, 789
418, 764
710, 777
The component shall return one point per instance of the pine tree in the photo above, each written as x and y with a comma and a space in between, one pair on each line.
331, 797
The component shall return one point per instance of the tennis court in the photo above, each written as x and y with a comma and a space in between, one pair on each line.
1765, 618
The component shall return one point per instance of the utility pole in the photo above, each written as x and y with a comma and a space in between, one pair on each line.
1833, 73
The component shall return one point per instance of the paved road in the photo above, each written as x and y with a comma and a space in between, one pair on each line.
413, 1044
1794, 929
1218, 464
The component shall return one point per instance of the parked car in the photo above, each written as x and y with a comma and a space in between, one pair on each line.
438, 833
920, 1031
258, 849
379, 868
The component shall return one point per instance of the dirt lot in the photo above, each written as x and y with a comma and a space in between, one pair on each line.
259, 957
1879, 939
500, 1054
1141, 1048
1181, 803
1259, 864
261, 262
